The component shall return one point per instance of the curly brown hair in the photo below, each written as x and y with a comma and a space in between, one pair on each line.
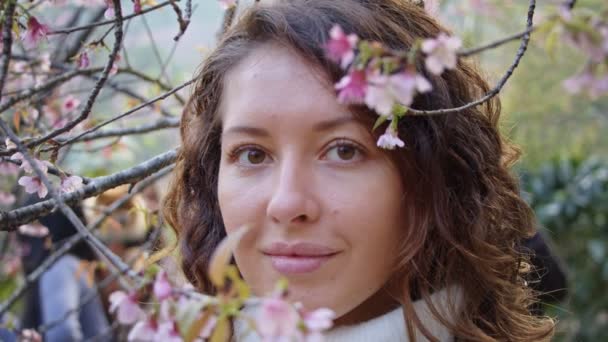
465, 215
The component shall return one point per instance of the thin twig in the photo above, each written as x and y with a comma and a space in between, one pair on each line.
183, 21
121, 132
129, 112
46, 86
108, 22
7, 42
520, 53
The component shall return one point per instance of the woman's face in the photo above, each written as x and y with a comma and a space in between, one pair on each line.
322, 201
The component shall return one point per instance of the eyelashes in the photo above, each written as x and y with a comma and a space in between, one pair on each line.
340, 150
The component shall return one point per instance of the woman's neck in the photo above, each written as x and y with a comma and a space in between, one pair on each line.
377, 305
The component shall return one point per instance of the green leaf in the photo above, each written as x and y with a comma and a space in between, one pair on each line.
379, 121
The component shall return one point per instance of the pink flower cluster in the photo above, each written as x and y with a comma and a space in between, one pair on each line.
34, 33
384, 80
174, 311
33, 184
278, 320
170, 320
588, 34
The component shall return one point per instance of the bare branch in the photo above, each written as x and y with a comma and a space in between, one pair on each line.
9, 221
120, 132
7, 42
183, 21
108, 22
129, 112
52, 170
46, 86
520, 53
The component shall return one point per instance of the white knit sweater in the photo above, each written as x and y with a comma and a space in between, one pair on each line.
388, 327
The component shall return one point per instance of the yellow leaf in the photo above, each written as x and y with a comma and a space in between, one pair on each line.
17, 120
197, 326
221, 256
221, 333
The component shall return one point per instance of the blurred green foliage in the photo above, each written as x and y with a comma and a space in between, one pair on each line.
570, 198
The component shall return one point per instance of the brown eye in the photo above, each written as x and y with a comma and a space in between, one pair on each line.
344, 153
251, 156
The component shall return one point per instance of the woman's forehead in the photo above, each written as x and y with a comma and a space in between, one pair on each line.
273, 81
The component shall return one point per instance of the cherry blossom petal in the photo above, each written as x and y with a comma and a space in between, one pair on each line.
34, 33
319, 320
70, 184
162, 287
33, 185
142, 331
277, 319
340, 47
352, 88
390, 140
6, 198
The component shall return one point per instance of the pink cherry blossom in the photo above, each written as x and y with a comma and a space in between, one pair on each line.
34, 230
45, 62
389, 140
128, 311
70, 184
277, 320
137, 6
83, 60
340, 47
6, 198
226, 4
143, 331
114, 68
162, 287
587, 82
34, 33
352, 87
167, 332
319, 320
384, 91
33, 185
109, 13
11, 266
441, 53
43, 165
8, 169
70, 104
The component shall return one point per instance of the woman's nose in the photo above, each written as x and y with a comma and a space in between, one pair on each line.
292, 199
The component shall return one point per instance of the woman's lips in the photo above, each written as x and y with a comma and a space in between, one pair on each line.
298, 264
297, 258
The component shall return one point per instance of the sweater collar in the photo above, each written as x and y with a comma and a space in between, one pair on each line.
391, 326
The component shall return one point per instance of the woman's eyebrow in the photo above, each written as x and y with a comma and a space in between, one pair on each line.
249, 130
261, 132
333, 123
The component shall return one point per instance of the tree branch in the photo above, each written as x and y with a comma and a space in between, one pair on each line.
9, 221
108, 22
